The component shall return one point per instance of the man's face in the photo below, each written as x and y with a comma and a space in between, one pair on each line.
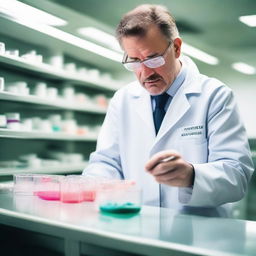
154, 80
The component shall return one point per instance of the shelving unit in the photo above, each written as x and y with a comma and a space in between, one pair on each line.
58, 103
47, 71
6, 133
16, 143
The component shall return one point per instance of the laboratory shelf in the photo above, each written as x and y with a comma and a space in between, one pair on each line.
49, 41
59, 39
50, 72
61, 168
56, 103
7, 133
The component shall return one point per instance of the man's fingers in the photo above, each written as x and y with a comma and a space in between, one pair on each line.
157, 158
154, 161
163, 168
168, 175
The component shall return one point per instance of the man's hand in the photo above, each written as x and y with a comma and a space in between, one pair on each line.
176, 172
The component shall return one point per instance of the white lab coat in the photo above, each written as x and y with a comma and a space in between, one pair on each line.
202, 123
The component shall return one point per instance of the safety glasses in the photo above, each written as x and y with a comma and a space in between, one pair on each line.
154, 62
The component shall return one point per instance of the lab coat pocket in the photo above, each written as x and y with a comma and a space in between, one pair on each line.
195, 151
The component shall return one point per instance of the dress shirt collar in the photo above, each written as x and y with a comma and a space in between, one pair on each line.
178, 81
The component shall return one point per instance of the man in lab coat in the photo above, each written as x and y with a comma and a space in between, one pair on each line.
200, 125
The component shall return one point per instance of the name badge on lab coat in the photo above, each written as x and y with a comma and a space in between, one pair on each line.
192, 132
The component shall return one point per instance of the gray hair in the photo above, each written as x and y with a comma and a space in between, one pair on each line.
136, 22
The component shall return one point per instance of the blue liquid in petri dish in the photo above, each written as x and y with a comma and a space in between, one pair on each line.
120, 208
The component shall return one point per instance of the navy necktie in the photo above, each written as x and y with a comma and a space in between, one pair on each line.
159, 111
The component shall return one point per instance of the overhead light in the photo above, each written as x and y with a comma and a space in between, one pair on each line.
249, 20
100, 36
71, 39
198, 54
244, 68
45, 26
21, 11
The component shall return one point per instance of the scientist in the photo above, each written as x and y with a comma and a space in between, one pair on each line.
171, 111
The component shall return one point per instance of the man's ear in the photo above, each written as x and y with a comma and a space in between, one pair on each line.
177, 46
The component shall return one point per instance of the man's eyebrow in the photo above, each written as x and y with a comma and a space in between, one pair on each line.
149, 56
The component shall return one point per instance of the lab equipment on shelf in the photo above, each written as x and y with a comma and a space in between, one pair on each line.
19, 87
13, 121
32, 56
3, 121
12, 52
40, 89
1, 84
2, 48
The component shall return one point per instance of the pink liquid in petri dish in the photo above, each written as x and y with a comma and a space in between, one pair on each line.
48, 195
89, 195
71, 198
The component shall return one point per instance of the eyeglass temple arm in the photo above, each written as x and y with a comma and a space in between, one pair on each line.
124, 58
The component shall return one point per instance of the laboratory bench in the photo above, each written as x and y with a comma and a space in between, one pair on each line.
32, 226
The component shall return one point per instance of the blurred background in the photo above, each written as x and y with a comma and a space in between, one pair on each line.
60, 65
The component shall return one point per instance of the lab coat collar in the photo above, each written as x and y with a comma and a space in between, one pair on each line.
178, 107
180, 103
144, 109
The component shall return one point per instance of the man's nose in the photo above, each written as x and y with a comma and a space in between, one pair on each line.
146, 71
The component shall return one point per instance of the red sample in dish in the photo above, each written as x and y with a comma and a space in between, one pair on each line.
48, 195
89, 195
71, 197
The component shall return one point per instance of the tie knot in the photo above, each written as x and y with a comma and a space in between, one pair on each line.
161, 100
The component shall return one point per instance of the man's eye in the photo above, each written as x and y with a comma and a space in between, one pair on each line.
133, 60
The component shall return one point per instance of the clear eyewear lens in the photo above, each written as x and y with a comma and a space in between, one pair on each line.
132, 66
154, 62
150, 63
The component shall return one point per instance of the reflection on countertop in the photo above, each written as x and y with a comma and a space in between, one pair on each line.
159, 227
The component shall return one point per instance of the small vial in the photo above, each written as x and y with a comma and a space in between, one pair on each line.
52, 93
57, 61
101, 101
39, 58
36, 123
22, 88
106, 77
12, 89
80, 97
41, 90
13, 121
94, 74
82, 71
70, 67
70, 126
1, 83
55, 121
30, 56
46, 126
27, 124
3, 121
69, 93
2, 48
14, 53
